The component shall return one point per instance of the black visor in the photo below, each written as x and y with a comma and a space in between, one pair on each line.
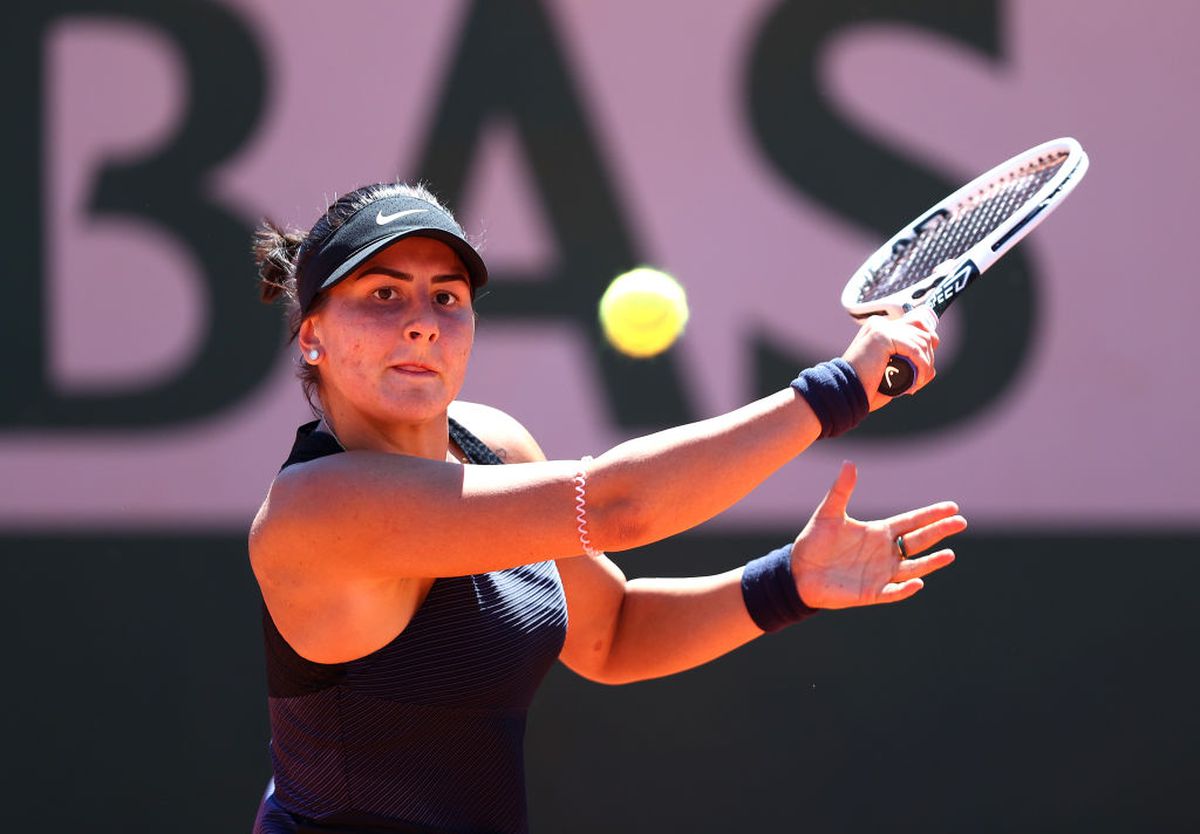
371, 229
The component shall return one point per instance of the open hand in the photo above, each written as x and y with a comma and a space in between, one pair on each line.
839, 562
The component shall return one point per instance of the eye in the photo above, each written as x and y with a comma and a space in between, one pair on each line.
384, 293
445, 298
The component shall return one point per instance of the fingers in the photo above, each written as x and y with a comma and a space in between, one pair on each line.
907, 580
923, 317
917, 345
913, 336
896, 591
916, 568
913, 519
834, 504
923, 538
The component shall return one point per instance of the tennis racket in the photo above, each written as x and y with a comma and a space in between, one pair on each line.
946, 248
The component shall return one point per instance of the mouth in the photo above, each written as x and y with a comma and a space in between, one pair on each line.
414, 369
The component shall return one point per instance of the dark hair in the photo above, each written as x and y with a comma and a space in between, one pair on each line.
279, 252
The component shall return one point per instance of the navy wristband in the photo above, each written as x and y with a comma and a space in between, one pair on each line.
769, 591
835, 394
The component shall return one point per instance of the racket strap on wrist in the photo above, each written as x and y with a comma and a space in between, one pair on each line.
769, 591
835, 394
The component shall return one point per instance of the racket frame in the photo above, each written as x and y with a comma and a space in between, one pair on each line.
948, 279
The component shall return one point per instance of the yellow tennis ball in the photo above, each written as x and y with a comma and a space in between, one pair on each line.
643, 311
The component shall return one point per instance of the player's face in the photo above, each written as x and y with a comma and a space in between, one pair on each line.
396, 335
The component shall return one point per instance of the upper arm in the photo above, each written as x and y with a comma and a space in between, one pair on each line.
366, 514
595, 591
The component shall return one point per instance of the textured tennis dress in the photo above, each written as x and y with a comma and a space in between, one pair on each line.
427, 733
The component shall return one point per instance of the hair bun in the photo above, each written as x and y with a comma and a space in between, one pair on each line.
275, 250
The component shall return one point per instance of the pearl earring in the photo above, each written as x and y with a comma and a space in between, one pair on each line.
314, 355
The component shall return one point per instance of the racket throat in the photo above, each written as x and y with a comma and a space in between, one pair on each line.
947, 289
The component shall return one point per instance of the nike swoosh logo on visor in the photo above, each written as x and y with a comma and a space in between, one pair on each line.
383, 219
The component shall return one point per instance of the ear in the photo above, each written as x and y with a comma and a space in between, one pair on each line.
307, 337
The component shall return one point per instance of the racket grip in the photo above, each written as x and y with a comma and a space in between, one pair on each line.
898, 376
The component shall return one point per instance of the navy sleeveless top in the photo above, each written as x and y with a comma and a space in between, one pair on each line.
427, 733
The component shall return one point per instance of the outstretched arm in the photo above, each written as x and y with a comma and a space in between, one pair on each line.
623, 631
373, 515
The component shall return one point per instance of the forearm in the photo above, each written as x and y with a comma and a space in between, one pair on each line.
669, 625
670, 481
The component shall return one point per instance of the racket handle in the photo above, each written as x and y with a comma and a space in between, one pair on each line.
898, 376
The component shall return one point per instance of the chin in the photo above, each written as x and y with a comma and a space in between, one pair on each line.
403, 404
417, 407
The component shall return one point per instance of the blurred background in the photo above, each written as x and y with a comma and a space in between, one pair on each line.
758, 150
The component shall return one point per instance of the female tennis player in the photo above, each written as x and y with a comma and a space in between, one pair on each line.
416, 593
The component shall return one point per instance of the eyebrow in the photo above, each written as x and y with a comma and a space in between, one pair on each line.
404, 276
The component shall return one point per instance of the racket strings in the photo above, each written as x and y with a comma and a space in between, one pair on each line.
968, 223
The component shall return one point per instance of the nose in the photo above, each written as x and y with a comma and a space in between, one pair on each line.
423, 326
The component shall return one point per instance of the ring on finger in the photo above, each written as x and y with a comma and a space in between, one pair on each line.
900, 548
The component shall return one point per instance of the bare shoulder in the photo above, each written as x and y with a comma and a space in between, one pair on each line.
502, 432
270, 538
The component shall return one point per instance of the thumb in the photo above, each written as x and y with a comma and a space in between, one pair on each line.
834, 504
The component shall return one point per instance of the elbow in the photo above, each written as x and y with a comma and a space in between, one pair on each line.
613, 679
610, 681
607, 673
621, 525
618, 506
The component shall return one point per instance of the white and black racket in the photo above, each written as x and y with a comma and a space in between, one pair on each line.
937, 257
